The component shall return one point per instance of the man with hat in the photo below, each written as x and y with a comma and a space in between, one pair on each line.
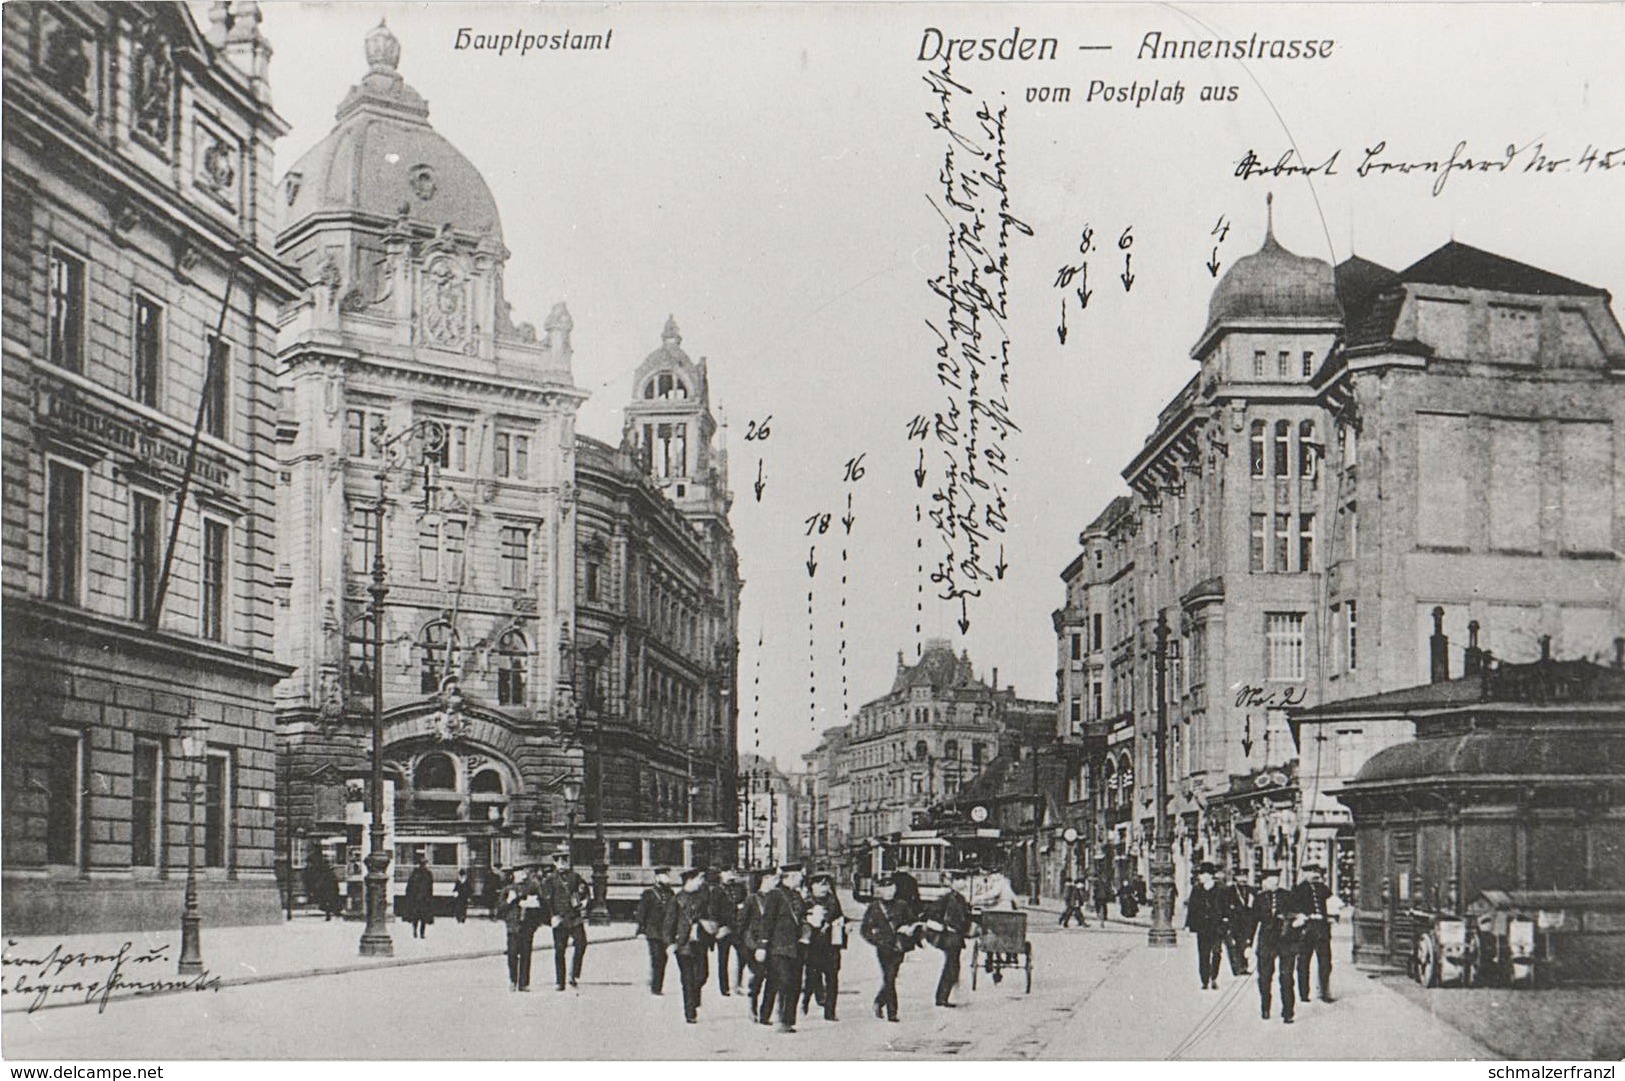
520, 908
1280, 926
826, 938
1311, 896
764, 882
651, 920
687, 939
950, 921
1204, 916
727, 902
566, 900
888, 928
784, 913
1236, 898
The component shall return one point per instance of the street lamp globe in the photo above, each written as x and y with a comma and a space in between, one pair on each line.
572, 792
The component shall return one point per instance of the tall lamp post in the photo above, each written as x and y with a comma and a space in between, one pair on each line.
193, 735
1162, 932
572, 796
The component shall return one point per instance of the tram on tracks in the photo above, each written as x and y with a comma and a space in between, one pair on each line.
635, 849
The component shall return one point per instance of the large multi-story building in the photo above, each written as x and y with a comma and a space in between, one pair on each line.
1357, 448
770, 812
559, 612
929, 735
140, 397
830, 794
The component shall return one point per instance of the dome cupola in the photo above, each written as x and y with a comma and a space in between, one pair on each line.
1274, 285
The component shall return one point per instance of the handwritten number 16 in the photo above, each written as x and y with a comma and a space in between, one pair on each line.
854, 469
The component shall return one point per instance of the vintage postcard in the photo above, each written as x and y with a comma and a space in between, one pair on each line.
813, 531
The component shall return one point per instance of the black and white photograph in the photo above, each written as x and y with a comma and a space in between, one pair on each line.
899, 533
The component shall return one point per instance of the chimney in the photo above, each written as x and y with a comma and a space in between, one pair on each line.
1545, 648
995, 678
1438, 650
1475, 656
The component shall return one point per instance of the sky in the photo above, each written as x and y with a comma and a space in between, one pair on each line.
768, 175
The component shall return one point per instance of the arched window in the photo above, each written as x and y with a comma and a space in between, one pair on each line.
1307, 458
1111, 783
437, 655
921, 751
1255, 449
486, 782
358, 651
512, 651
434, 772
1125, 778
665, 385
977, 750
1283, 448
950, 749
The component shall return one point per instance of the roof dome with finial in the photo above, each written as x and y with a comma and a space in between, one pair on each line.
670, 358
1273, 283
383, 160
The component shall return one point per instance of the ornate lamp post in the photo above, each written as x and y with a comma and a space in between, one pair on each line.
193, 734
572, 797
1162, 932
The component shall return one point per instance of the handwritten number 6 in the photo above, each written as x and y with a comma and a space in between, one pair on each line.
1126, 241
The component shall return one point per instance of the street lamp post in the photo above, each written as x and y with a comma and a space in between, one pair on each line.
375, 940
194, 745
1162, 932
572, 794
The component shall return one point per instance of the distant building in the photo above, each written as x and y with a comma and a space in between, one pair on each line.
137, 261
930, 734
1493, 391
771, 812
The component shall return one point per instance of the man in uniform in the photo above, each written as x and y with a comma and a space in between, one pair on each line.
520, 908
1204, 915
888, 928
1236, 898
784, 915
688, 941
827, 924
951, 924
751, 936
1311, 895
651, 921
727, 904
567, 901
1279, 929
1074, 904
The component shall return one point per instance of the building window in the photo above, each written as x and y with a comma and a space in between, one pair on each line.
1283, 638
1077, 714
1306, 542
667, 447
216, 558
513, 455
358, 647
511, 653
363, 534
594, 581
64, 531
149, 351
217, 388
1283, 448
1354, 531
515, 557
144, 805
1258, 364
145, 527
440, 548
363, 432
429, 551
1352, 636
1283, 364
217, 810
1283, 542
1077, 647
1308, 364
437, 655
1255, 449
1100, 559
65, 798
448, 446
950, 750
1095, 632
921, 751
1097, 700
67, 307
1308, 460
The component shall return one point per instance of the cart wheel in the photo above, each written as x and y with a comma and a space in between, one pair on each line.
974, 951
1027, 958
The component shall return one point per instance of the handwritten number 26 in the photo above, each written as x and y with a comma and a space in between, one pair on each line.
755, 431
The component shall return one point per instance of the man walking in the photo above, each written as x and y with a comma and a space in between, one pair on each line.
827, 938
567, 899
886, 926
520, 908
1074, 904
723, 898
951, 923
784, 916
752, 937
1237, 901
1311, 896
653, 910
1275, 915
688, 942
1204, 915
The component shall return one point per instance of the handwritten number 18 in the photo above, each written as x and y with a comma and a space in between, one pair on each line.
818, 523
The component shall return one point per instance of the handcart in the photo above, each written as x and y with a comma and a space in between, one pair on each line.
1001, 944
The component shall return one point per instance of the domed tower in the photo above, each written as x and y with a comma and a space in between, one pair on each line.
405, 382
669, 423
